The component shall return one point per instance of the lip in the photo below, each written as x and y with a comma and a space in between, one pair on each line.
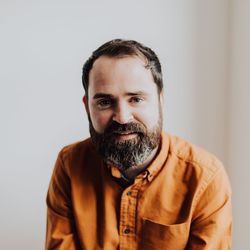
125, 135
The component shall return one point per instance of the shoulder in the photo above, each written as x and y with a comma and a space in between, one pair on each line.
195, 162
191, 153
197, 168
76, 149
77, 156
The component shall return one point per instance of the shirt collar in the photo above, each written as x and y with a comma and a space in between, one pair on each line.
160, 159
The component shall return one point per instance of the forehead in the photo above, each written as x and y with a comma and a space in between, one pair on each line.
119, 74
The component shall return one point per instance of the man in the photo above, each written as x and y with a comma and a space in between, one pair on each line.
131, 185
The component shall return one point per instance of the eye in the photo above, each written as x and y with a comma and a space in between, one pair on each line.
104, 103
136, 99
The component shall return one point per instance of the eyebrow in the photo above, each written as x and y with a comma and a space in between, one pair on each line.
104, 95
136, 93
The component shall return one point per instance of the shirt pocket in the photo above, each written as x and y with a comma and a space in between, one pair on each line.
157, 236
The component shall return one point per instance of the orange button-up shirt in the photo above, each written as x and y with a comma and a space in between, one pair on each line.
182, 201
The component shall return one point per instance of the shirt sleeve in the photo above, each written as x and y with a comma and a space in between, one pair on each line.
211, 227
60, 232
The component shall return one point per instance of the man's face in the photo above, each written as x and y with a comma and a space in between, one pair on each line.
124, 109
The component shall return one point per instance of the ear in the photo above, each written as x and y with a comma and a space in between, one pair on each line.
161, 99
85, 101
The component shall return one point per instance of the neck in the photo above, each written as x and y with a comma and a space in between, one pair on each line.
133, 171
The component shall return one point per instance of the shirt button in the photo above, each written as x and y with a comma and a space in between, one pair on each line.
129, 193
126, 231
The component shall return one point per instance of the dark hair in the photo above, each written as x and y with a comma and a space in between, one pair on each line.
119, 48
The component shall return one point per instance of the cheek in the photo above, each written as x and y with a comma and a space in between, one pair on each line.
148, 117
100, 120
150, 113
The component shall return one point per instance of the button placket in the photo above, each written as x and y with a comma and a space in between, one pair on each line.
128, 215
129, 193
127, 218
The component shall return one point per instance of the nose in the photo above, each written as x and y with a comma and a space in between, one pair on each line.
122, 113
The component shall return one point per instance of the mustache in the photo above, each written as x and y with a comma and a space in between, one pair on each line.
131, 127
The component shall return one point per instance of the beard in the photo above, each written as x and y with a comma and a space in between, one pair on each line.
126, 153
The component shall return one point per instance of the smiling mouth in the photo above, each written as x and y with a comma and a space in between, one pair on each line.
125, 135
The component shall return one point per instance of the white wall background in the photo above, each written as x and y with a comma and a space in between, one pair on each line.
204, 50
239, 120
